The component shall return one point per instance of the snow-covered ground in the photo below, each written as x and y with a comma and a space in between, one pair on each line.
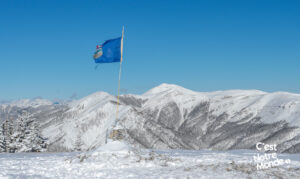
118, 160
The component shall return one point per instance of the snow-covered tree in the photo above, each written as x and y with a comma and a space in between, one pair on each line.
2, 138
37, 142
19, 133
22, 135
28, 135
78, 143
9, 135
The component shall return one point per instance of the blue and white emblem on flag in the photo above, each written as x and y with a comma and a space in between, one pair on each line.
109, 51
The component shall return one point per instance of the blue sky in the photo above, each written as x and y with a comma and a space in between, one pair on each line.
46, 47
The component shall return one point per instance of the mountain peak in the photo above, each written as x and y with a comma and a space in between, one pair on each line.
165, 87
36, 102
93, 99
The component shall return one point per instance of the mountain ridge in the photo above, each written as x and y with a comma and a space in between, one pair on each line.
170, 116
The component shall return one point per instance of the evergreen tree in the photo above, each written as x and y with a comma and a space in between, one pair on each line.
78, 143
22, 135
20, 132
29, 138
10, 136
5, 135
2, 138
38, 143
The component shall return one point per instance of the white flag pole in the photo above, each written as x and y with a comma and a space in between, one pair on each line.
120, 72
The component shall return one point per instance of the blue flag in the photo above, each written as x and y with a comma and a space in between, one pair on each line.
109, 51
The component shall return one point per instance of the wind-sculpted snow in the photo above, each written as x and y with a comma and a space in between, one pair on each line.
169, 116
118, 160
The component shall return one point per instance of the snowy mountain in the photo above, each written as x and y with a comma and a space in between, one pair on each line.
170, 116
9, 108
174, 117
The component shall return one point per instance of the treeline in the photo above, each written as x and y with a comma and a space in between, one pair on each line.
21, 135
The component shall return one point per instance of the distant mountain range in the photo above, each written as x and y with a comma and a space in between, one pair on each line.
169, 116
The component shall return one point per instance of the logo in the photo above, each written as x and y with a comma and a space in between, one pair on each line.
267, 160
98, 52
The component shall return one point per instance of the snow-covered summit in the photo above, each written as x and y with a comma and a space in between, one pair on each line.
167, 88
93, 101
170, 116
28, 103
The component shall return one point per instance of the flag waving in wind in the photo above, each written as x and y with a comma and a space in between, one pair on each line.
109, 52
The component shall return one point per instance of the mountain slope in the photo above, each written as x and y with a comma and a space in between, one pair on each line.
174, 117
170, 116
